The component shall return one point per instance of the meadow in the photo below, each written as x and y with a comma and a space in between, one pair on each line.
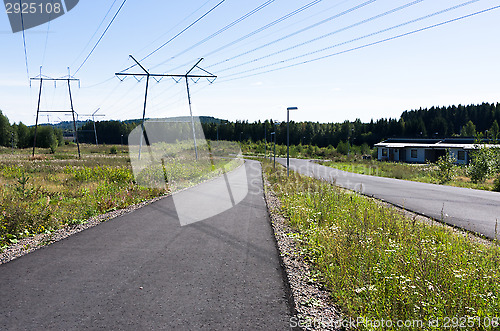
379, 264
52, 190
425, 173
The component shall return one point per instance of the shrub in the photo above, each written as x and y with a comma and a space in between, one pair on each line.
496, 184
113, 150
481, 164
446, 169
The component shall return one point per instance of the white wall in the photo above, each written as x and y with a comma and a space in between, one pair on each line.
420, 155
380, 153
454, 153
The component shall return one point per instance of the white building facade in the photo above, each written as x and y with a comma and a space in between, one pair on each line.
426, 150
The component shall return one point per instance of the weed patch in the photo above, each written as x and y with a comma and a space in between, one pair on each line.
379, 264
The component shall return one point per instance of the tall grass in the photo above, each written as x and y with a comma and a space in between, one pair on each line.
52, 191
425, 173
380, 265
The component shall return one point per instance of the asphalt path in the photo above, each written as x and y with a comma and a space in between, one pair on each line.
474, 210
144, 271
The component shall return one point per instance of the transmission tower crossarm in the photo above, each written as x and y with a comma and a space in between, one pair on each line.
140, 65
187, 73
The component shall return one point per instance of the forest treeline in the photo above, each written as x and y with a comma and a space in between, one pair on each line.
434, 122
22, 136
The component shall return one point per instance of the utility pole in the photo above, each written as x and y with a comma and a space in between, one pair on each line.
186, 76
69, 79
288, 139
190, 111
93, 115
265, 140
274, 134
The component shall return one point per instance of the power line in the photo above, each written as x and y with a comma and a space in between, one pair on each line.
360, 38
367, 45
164, 34
230, 25
47, 35
177, 35
95, 32
24, 43
100, 38
327, 34
298, 32
267, 26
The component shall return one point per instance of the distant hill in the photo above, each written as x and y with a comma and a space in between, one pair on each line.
203, 119
68, 125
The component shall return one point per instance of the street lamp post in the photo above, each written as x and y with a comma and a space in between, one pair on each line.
265, 140
121, 139
274, 153
288, 139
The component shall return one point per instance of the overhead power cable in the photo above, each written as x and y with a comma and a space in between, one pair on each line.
100, 38
360, 38
327, 34
47, 35
24, 42
279, 20
228, 26
177, 35
298, 32
95, 32
365, 45
175, 26
267, 26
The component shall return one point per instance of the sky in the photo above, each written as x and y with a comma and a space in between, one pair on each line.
326, 57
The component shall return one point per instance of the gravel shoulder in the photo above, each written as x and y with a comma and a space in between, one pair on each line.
312, 304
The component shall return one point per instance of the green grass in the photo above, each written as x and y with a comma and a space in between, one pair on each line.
425, 173
379, 264
50, 191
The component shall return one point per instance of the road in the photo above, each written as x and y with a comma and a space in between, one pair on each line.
474, 210
144, 271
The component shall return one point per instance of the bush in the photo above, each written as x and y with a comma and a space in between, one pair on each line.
46, 137
446, 168
113, 150
343, 148
481, 165
496, 184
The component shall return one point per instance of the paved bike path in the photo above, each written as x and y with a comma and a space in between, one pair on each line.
144, 271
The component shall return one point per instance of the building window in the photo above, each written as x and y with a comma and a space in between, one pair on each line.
461, 155
384, 151
414, 153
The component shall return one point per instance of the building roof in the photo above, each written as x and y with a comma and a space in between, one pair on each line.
446, 143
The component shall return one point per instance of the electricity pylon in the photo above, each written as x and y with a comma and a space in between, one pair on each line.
187, 76
41, 78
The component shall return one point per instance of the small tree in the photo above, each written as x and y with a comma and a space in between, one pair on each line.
484, 162
446, 167
343, 147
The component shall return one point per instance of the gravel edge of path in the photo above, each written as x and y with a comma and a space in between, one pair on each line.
312, 306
